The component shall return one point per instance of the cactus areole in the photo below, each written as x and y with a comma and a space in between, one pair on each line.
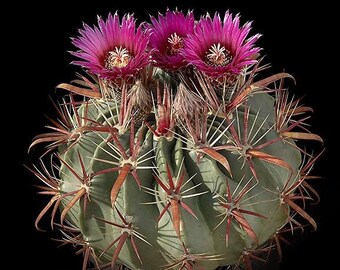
172, 151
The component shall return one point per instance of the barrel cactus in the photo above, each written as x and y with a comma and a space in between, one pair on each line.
172, 151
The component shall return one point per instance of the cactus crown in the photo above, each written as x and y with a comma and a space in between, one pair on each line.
170, 153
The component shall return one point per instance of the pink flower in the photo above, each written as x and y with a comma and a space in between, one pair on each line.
220, 48
168, 33
113, 50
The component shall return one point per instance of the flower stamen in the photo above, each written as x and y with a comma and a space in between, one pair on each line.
175, 44
119, 57
218, 55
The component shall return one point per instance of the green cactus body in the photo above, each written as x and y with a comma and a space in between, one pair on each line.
170, 171
204, 215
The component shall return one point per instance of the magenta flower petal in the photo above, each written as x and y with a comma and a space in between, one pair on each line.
220, 48
167, 36
113, 49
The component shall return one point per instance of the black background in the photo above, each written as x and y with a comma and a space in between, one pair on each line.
296, 38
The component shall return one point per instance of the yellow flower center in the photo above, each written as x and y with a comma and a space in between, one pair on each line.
218, 55
119, 57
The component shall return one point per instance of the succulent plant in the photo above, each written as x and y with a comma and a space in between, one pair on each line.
171, 152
